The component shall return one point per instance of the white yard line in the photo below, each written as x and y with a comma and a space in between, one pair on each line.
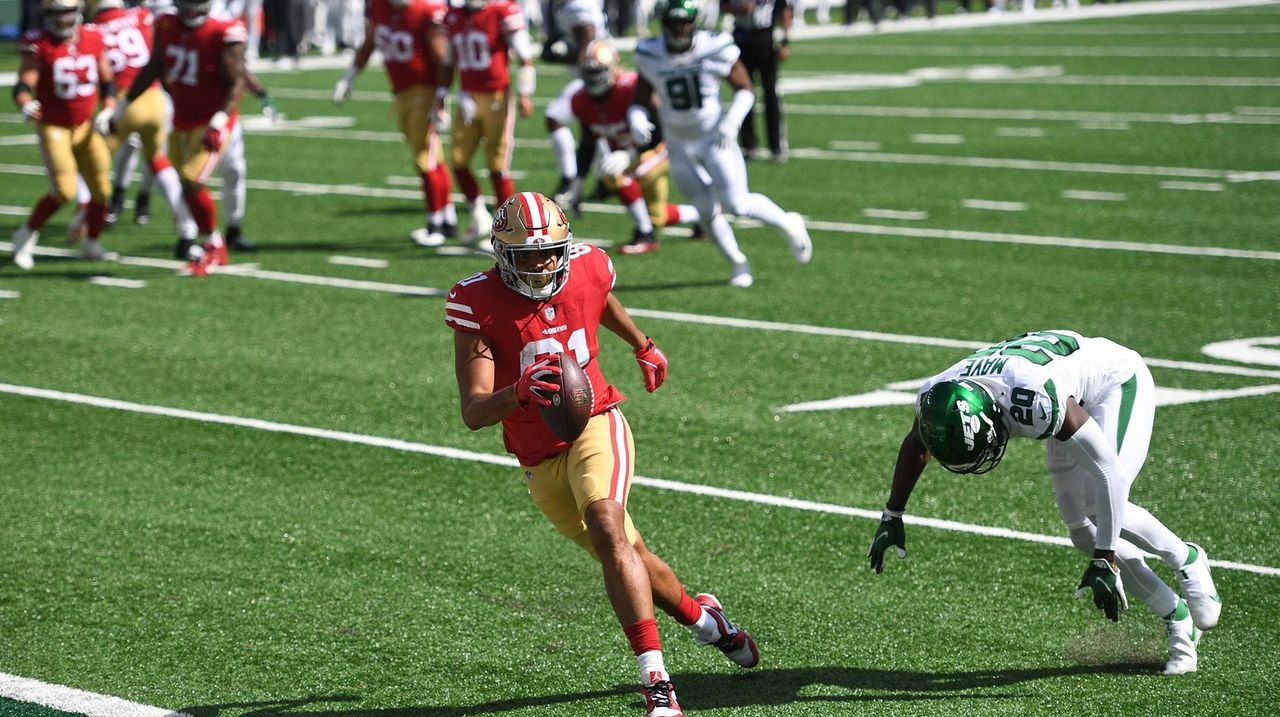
508, 461
904, 214
118, 282
1019, 132
69, 699
1194, 186
1014, 114
994, 206
956, 52
937, 138
1092, 196
360, 261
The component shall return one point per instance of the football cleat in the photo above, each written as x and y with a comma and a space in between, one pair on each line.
699, 234
142, 208
1184, 642
426, 237
481, 222
448, 229
182, 249
234, 239
735, 642
205, 260
798, 238
660, 699
115, 208
741, 276
1196, 584
92, 250
641, 243
24, 245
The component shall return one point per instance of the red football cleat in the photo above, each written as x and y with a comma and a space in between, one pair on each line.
736, 643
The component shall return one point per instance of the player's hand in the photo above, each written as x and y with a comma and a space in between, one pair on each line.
1103, 578
570, 196
270, 109
216, 133
615, 163
440, 111
653, 365
33, 111
103, 120
526, 106
727, 134
466, 107
533, 387
640, 125
891, 531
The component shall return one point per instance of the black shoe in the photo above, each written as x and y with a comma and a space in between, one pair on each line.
600, 193
641, 243
236, 241
698, 233
450, 231
116, 207
182, 250
142, 209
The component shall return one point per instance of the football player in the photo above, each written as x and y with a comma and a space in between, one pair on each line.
546, 297
639, 178
481, 34
202, 60
685, 67
1095, 400
406, 33
579, 22
144, 125
64, 70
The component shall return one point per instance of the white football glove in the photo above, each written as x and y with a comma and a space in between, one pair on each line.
31, 110
466, 107
727, 134
615, 163
640, 125
342, 90
102, 121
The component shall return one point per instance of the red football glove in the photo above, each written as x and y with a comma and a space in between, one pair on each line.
653, 364
213, 139
532, 386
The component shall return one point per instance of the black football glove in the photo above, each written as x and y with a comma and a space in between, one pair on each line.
889, 532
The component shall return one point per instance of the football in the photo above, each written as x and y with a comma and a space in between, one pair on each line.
571, 406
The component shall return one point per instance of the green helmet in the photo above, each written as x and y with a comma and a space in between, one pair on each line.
961, 425
679, 20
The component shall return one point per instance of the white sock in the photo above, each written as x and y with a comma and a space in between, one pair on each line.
652, 668
758, 206
171, 187
706, 630
213, 238
1147, 532
450, 214
639, 211
688, 213
1142, 583
725, 240
563, 148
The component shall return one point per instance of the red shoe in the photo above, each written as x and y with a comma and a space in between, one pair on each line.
736, 643
660, 699
208, 261
641, 243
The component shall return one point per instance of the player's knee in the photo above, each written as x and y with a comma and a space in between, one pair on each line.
1082, 537
64, 190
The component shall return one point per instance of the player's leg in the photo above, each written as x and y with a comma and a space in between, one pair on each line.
466, 139
195, 165
60, 168
93, 159
235, 172
126, 161
499, 141
559, 117
695, 184
652, 172
441, 217
729, 175
413, 112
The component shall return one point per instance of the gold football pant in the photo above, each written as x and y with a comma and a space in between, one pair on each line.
75, 150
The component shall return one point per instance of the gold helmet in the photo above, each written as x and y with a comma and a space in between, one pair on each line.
61, 17
528, 222
599, 68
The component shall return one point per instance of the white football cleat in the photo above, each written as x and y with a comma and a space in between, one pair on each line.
798, 238
481, 224
741, 276
660, 698
426, 238
24, 243
92, 250
1184, 641
735, 642
1196, 584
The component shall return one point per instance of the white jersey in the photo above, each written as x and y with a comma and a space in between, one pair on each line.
574, 13
1032, 375
688, 83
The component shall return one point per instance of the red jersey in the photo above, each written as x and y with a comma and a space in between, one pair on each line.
523, 331
401, 35
193, 65
68, 84
478, 42
128, 35
607, 117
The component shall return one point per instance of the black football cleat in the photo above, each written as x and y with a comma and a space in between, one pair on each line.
182, 250
237, 241
115, 207
142, 209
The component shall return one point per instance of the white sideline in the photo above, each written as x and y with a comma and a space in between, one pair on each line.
69, 699
508, 461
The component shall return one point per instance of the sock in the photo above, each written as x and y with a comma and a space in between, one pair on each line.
562, 147
1192, 554
643, 637
639, 212
725, 240
1180, 612
503, 187
688, 612
166, 176
758, 206
43, 209
441, 186
427, 193
203, 210
213, 239
467, 182
450, 214
688, 214
652, 668
95, 218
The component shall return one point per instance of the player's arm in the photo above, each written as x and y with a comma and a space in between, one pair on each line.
744, 97
259, 90
150, 72
342, 90
526, 77
652, 362
473, 364
912, 458
106, 83
24, 92
1091, 450
638, 121
232, 70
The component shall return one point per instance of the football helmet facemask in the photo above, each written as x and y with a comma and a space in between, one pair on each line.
61, 17
962, 426
529, 222
599, 68
194, 12
679, 20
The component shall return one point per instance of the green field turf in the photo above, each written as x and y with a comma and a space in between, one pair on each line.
226, 569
